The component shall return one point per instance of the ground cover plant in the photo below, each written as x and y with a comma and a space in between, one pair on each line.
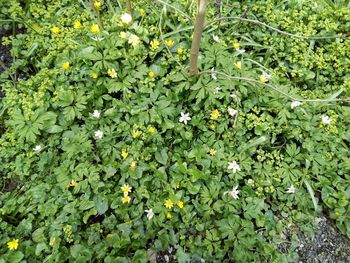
114, 150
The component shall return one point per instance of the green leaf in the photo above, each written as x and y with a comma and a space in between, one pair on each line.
40, 247
162, 157
101, 205
140, 257
15, 257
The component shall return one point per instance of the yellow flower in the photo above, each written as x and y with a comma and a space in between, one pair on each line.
73, 183
168, 203
238, 65
180, 204
109, 235
263, 79
77, 25
52, 241
180, 51
55, 30
124, 154
154, 44
142, 11
126, 199
214, 115
122, 35
169, 43
111, 72
151, 130
135, 134
236, 45
65, 65
97, 4
126, 189
151, 74
134, 40
95, 29
13, 244
133, 165
169, 215
212, 126
94, 75
212, 152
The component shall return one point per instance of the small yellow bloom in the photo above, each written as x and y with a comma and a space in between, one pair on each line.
77, 25
95, 29
151, 130
124, 154
13, 244
94, 75
212, 152
169, 43
122, 35
109, 235
169, 215
212, 126
169, 203
52, 241
214, 115
135, 134
111, 72
97, 4
321, 125
180, 51
55, 30
151, 74
134, 40
73, 183
126, 199
142, 11
238, 65
65, 65
126, 188
154, 44
236, 45
180, 204
133, 165
263, 79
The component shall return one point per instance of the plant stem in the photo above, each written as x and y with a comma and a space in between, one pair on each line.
128, 6
197, 35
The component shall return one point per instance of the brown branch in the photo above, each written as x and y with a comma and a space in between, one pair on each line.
197, 35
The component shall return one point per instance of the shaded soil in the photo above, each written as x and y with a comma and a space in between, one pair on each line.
5, 55
327, 246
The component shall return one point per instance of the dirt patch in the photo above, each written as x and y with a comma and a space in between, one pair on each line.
327, 246
5, 54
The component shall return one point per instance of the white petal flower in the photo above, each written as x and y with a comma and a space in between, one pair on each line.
185, 117
216, 38
232, 112
126, 18
266, 75
233, 96
96, 114
240, 51
150, 213
216, 90
213, 74
326, 120
295, 103
234, 167
291, 189
37, 148
250, 181
98, 134
234, 192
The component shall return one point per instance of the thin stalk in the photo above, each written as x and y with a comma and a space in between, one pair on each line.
197, 36
128, 6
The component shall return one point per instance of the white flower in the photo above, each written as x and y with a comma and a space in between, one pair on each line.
216, 38
326, 120
250, 181
234, 192
291, 189
37, 148
267, 76
98, 134
233, 96
234, 167
295, 103
232, 112
184, 117
216, 90
99, 39
96, 114
213, 74
240, 51
126, 18
150, 213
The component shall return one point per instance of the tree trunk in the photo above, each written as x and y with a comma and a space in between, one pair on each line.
197, 35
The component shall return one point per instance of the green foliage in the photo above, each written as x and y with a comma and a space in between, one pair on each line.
103, 111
